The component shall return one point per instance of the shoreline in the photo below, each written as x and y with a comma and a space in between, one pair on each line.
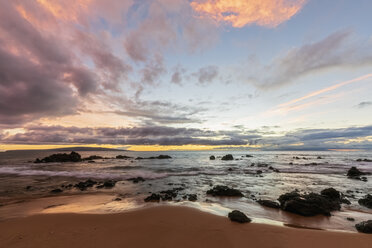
106, 203
163, 226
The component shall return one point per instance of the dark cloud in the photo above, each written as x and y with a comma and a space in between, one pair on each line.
206, 74
339, 49
364, 104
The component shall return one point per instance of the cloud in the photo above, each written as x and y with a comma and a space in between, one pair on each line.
336, 50
364, 104
206, 74
240, 13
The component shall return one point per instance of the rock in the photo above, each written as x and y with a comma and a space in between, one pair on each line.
248, 156
364, 227
212, 157
192, 197
259, 172
331, 193
29, 187
158, 157
84, 185
354, 173
268, 203
309, 204
364, 160
230, 169
238, 216
60, 157
221, 190
109, 184
227, 157
319, 157
122, 157
93, 157
117, 199
136, 179
350, 219
56, 191
366, 201
91, 161
273, 169
153, 198
262, 165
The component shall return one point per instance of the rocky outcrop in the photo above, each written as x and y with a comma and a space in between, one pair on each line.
84, 185
56, 191
366, 201
227, 157
60, 157
212, 157
221, 190
157, 157
311, 204
93, 157
239, 217
123, 157
364, 160
364, 227
153, 198
136, 179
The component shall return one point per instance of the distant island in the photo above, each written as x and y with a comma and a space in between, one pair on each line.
77, 148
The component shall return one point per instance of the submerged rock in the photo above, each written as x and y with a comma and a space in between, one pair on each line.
268, 203
227, 157
248, 156
56, 191
238, 216
60, 157
109, 184
364, 227
152, 198
221, 190
212, 157
192, 197
136, 179
84, 185
364, 160
310, 204
366, 201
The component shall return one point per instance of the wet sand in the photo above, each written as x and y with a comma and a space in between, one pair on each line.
163, 226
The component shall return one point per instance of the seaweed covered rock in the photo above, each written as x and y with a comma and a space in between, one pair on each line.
60, 157
239, 217
221, 190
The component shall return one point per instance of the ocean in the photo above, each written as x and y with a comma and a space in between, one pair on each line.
261, 175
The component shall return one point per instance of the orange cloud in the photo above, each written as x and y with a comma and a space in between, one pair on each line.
268, 13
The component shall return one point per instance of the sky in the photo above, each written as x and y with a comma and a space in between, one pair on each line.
186, 74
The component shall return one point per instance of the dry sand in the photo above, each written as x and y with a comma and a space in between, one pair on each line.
163, 226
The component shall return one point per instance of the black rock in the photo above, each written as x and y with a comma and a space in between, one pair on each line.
354, 173
60, 157
366, 201
56, 191
238, 216
192, 197
364, 227
364, 160
28, 187
93, 157
259, 172
350, 219
248, 156
152, 198
308, 204
227, 157
158, 157
109, 184
84, 185
122, 157
319, 157
212, 157
331, 193
136, 179
221, 190
117, 199
268, 203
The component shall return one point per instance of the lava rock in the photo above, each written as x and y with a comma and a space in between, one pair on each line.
93, 157
331, 193
354, 173
308, 204
60, 157
227, 157
248, 156
366, 201
221, 190
84, 185
364, 227
192, 197
212, 157
109, 184
350, 219
268, 203
239, 217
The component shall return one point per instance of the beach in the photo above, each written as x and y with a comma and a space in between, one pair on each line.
163, 227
